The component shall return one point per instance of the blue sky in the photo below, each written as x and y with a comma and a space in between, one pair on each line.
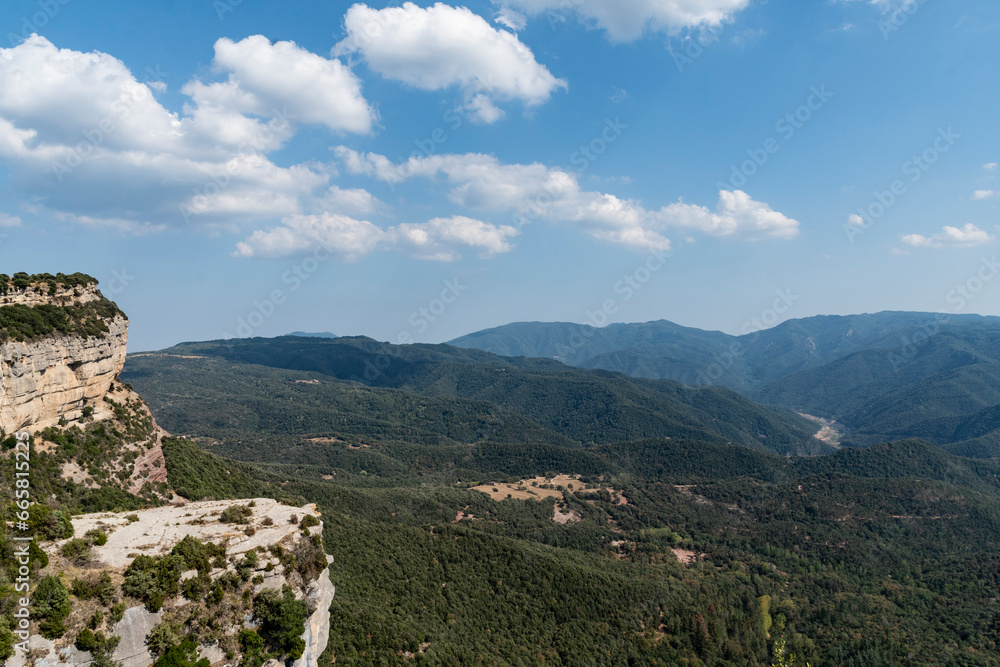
414, 172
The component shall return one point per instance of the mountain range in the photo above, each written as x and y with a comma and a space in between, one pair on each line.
880, 377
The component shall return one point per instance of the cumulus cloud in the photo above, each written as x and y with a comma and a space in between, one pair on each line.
439, 47
7, 220
626, 21
440, 239
950, 237
84, 139
856, 220
534, 192
268, 79
979, 195
299, 234
990, 166
352, 201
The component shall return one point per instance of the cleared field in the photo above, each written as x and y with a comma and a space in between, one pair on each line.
540, 488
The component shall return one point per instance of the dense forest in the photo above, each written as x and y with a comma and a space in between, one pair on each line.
671, 550
881, 377
465, 395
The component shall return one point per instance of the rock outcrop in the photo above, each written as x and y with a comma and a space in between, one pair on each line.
319, 596
55, 377
154, 532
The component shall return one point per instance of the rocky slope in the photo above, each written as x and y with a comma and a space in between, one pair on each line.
95, 445
272, 532
57, 375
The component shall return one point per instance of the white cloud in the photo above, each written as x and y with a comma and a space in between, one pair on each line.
299, 234
509, 18
950, 237
7, 220
530, 192
442, 46
990, 166
268, 80
350, 201
439, 239
83, 139
856, 220
59, 96
985, 194
626, 21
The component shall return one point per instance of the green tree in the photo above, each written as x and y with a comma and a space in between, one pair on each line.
50, 604
282, 620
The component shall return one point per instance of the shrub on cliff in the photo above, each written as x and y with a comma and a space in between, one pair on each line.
236, 514
50, 605
183, 655
23, 323
197, 555
282, 620
22, 280
153, 580
101, 588
49, 524
76, 550
6, 641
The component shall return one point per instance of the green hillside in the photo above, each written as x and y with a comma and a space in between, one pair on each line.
357, 386
881, 377
851, 553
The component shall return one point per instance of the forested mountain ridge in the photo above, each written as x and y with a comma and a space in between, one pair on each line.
663, 349
880, 377
566, 403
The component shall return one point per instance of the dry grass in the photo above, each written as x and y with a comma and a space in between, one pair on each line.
542, 488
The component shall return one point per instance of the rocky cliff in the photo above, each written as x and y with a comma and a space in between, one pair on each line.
271, 532
55, 363
240, 581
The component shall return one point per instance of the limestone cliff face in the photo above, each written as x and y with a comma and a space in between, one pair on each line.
36, 295
45, 379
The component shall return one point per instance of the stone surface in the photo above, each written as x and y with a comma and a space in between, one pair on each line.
213, 653
133, 629
159, 529
37, 295
46, 379
318, 597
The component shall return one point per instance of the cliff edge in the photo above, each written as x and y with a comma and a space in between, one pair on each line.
62, 344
